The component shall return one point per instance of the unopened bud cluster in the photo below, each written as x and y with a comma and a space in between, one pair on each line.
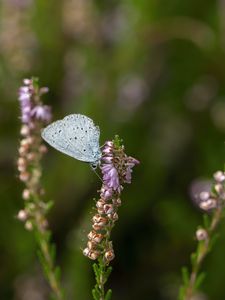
33, 116
116, 168
215, 198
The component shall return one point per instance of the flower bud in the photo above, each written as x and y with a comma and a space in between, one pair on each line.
24, 176
109, 255
219, 176
31, 156
115, 217
25, 142
22, 215
218, 188
201, 234
27, 81
21, 168
109, 143
43, 90
98, 220
22, 150
21, 161
209, 204
108, 208
204, 196
98, 238
29, 225
86, 252
117, 202
91, 234
91, 245
26, 194
91, 254
101, 211
94, 254
100, 203
96, 227
24, 130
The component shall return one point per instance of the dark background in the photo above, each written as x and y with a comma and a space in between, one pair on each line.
151, 71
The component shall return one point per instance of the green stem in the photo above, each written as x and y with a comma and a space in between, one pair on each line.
201, 252
48, 261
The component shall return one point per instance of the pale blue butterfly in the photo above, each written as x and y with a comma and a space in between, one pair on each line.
77, 136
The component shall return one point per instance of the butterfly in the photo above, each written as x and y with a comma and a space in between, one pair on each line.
76, 135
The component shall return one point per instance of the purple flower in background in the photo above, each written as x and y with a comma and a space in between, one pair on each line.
25, 103
42, 112
31, 107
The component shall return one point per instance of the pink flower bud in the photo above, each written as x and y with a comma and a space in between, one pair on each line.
108, 208
219, 176
22, 215
201, 234
29, 225
24, 176
109, 255
204, 196
26, 194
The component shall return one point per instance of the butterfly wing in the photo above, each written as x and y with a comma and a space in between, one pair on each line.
75, 135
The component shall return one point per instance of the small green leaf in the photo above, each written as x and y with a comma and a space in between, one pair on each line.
107, 273
212, 242
181, 293
95, 294
185, 275
96, 271
49, 205
108, 295
199, 280
44, 264
117, 141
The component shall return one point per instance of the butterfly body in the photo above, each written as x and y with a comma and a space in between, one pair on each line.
77, 136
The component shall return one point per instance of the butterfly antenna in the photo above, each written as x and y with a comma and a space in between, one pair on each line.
94, 169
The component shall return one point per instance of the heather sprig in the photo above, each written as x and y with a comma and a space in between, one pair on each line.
116, 168
34, 115
213, 203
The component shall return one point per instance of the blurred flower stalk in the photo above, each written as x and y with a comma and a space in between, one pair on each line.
34, 115
213, 203
116, 168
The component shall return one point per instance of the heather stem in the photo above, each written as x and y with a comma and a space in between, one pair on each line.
48, 261
33, 116
203, 249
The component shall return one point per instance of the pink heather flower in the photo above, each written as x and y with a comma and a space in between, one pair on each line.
42, 112
106, 193
131, 162
31, 109
110, 176
25, 104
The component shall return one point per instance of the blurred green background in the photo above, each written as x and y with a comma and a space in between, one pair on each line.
151, 71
